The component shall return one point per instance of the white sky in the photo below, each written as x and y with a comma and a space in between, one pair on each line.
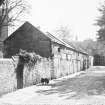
78, 15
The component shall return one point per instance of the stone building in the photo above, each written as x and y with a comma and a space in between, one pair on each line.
66, 59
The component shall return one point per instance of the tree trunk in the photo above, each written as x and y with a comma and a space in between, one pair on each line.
19, 74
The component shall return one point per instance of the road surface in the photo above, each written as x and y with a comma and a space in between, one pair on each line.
88, 88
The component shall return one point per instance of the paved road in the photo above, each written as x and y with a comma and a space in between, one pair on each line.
87, 88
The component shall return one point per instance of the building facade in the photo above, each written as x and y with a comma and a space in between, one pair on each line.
64, 58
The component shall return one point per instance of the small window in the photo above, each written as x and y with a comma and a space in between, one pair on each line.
58, 49
67, 57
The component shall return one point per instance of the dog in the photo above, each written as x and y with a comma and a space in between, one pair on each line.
44, 81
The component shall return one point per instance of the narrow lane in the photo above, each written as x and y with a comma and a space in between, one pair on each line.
81, 89
87, 88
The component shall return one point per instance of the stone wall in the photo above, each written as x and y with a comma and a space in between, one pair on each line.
51, 69
8, 81
63, 67
7, 76
34, 74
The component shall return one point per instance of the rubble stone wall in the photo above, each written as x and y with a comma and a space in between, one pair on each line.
7, 76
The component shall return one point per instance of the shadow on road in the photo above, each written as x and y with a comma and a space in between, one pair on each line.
77, 87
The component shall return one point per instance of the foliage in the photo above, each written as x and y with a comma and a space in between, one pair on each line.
101, 23
92, 47
28, 58
25, 58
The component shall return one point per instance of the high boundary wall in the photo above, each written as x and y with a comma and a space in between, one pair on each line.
41, 69
8, 80
7, 76
51, 69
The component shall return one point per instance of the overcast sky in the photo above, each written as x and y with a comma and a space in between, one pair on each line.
78, 15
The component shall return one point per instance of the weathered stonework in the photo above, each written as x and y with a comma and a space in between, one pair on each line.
50, 68
34, 74
7, 76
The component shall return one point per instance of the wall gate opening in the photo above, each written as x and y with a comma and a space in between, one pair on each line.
99, 60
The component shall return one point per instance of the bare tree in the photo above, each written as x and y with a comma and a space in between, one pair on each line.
1, 2
11, 10
64, 32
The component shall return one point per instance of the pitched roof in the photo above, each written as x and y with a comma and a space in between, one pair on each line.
72, 45
76, 46
53, 38
27, 26
59, 41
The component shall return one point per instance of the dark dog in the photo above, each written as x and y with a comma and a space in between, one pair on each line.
44, 81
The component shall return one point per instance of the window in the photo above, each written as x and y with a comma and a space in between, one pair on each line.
67, 57
58, 49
